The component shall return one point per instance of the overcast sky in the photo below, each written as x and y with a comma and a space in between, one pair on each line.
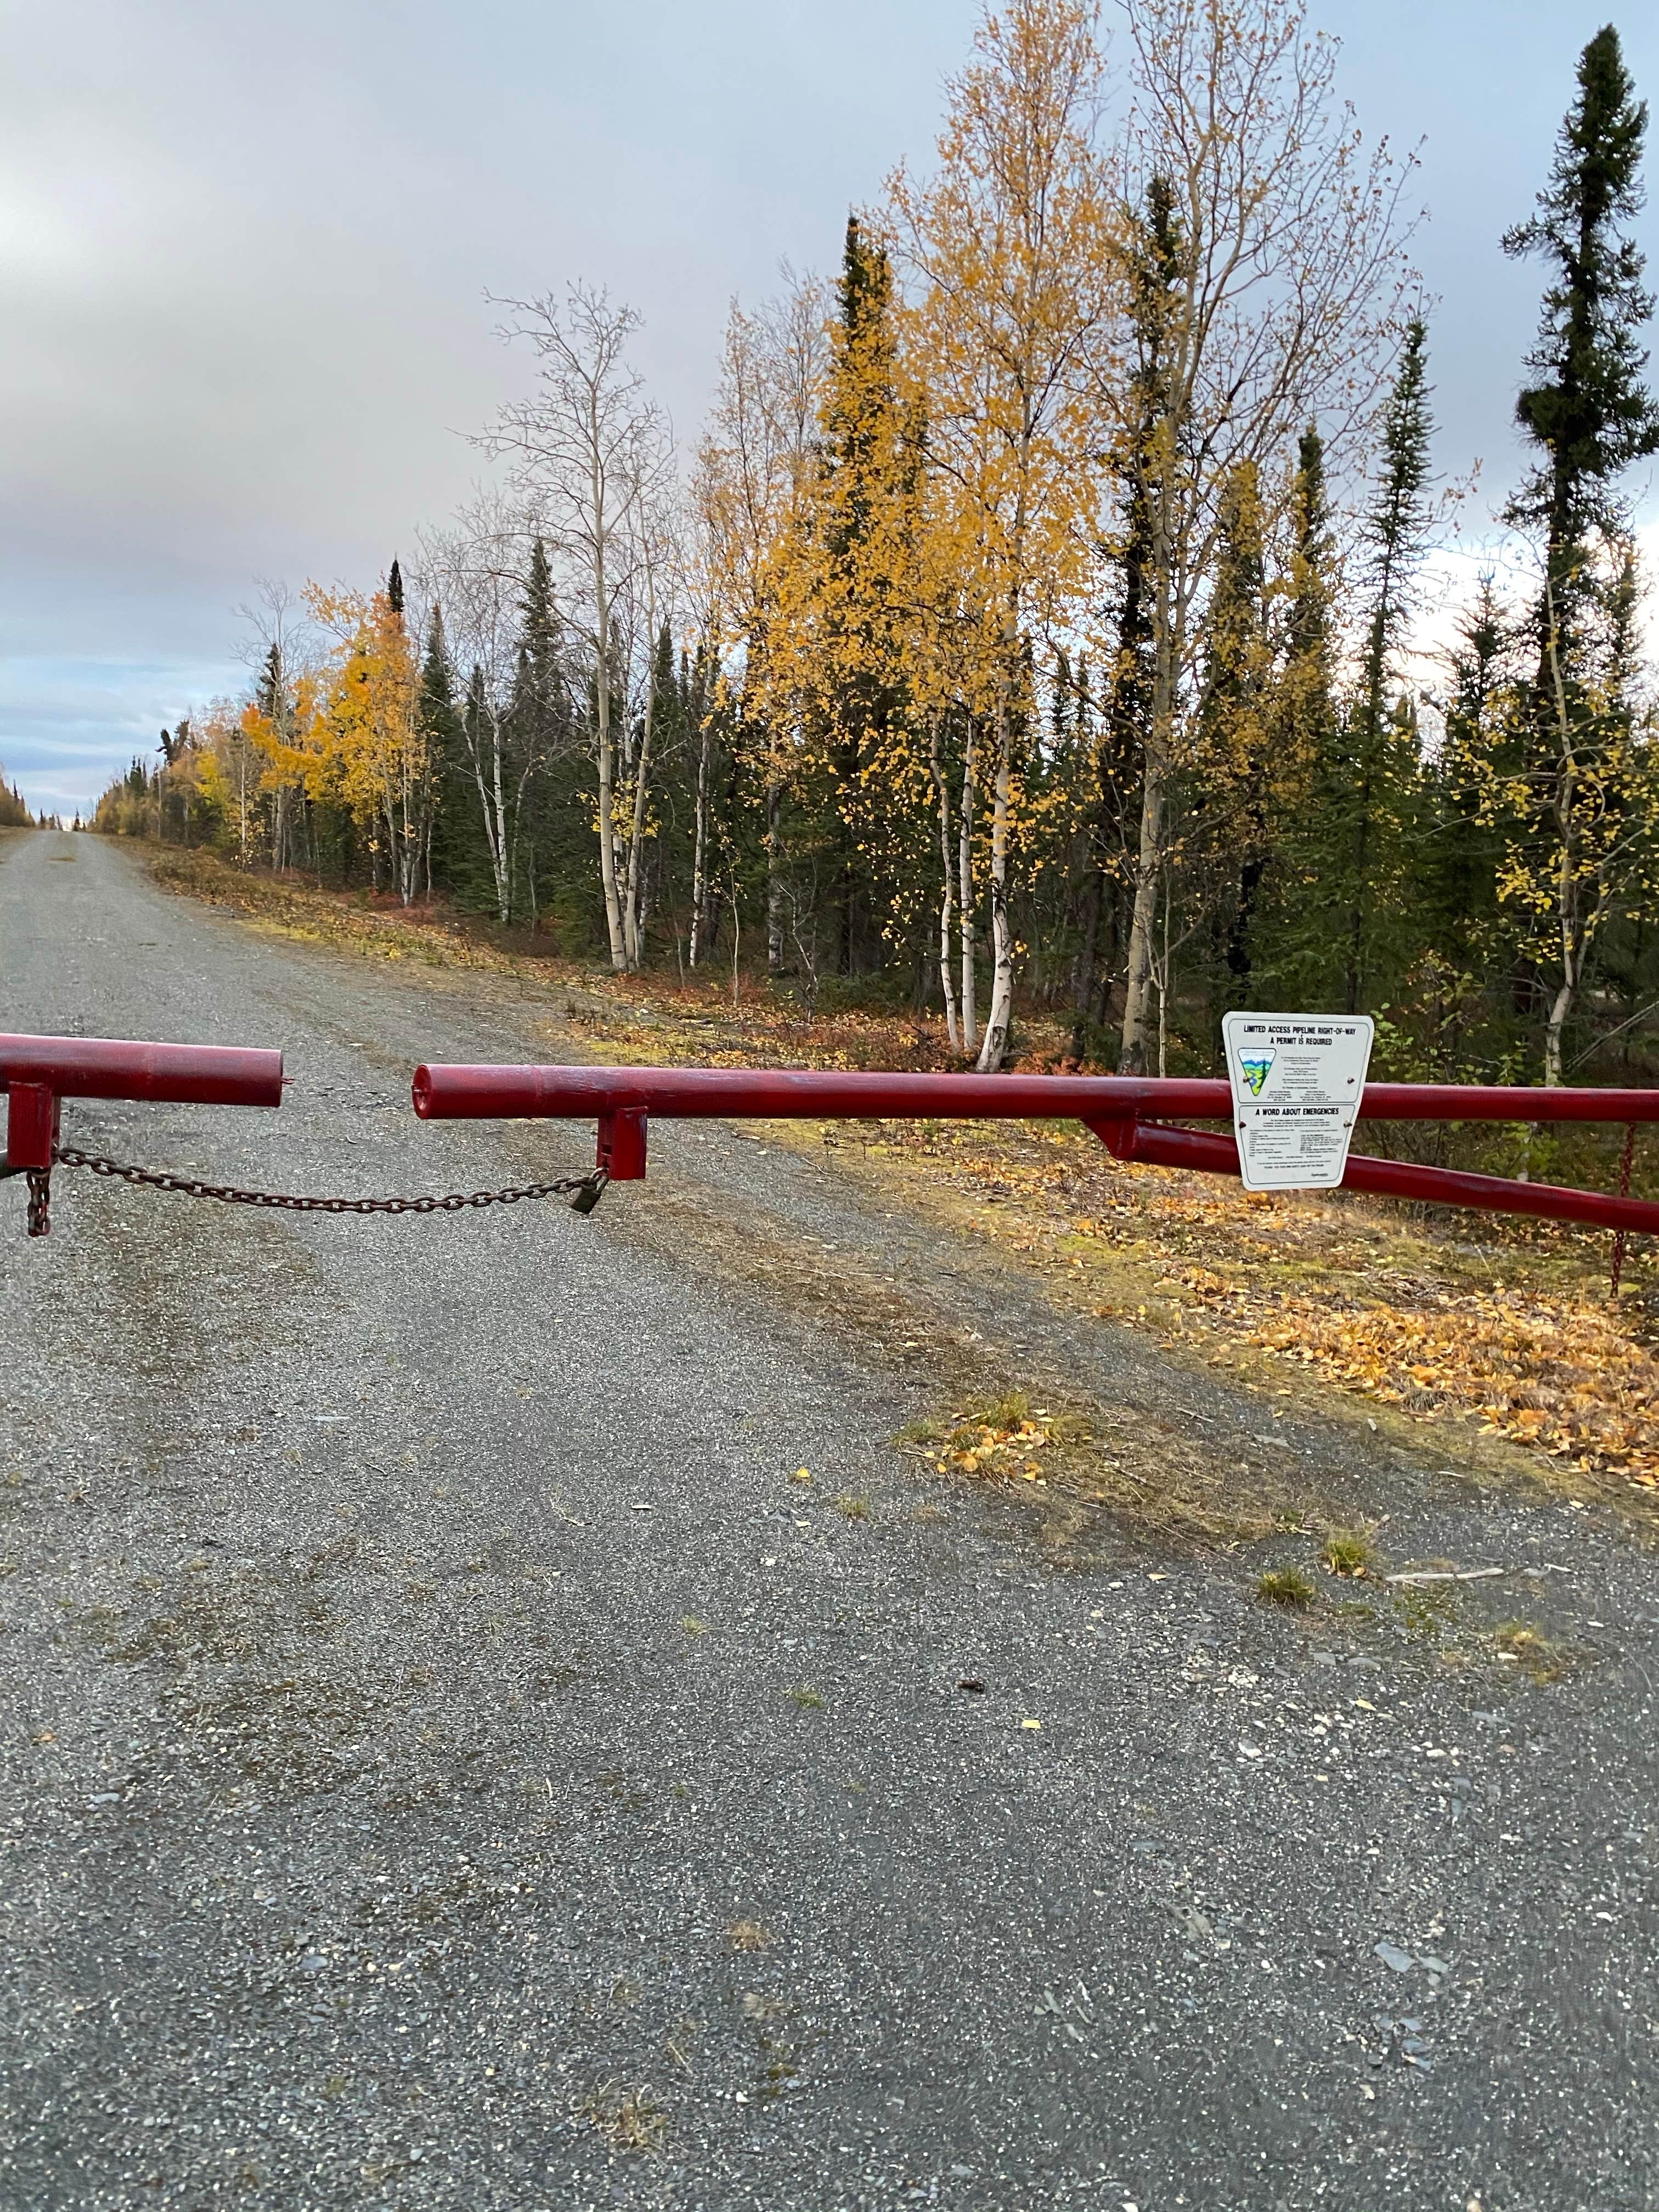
244, 252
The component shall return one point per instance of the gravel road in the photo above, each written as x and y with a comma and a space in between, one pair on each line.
449, 1761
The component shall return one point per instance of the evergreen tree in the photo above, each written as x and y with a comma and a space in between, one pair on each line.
1577, 805
1307, 708
558, 860
1232, 728
1153, 268
1590, 414
1285, 877
846, 592
394, 588
1462, 856
454, 829
1384, 759
1341, 931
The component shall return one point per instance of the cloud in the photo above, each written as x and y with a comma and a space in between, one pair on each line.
71, 725
244, 256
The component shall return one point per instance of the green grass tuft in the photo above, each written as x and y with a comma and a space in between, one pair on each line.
1287, 1587
1347, 1553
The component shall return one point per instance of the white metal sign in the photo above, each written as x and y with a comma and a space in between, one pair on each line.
1296, 1083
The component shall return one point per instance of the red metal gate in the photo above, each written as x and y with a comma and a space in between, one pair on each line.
1130, 1115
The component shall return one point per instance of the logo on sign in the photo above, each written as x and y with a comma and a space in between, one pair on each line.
1252, 1068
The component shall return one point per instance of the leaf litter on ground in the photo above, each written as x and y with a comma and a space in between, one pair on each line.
1514, 1336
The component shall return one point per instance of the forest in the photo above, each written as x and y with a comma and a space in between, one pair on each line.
1033, 634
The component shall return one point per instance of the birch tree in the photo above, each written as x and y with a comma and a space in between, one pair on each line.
751, 465
1268, 297
652, 599
588, 453
1008, 248
474, 573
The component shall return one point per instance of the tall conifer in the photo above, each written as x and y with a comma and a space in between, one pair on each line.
1381, 780
1589, 416
1579, 805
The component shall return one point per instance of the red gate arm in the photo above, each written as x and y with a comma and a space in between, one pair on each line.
457, 1092
107, 1068
1217, 1155
1495, 1102
777, 1094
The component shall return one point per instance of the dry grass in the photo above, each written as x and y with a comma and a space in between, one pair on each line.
1502, 1326
1287, 1587
1515, 1337
1538, 1657
630, 2120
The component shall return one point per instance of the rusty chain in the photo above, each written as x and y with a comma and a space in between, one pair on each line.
1624, 1192
583, 1192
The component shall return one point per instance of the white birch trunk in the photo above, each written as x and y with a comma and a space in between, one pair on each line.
700, 848
965, 886
947, 903
994, 1045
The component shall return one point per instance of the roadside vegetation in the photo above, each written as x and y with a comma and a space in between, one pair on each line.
1022, 669
14, 814
1029, 644
1500, 1327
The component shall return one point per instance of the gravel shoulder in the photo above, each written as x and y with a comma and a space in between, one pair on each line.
450, 1761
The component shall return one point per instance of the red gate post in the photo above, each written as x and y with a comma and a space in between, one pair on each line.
38, 1072
31, 1127
621, 1145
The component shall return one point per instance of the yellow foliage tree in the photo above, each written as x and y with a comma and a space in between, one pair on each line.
1012, 250
371, 750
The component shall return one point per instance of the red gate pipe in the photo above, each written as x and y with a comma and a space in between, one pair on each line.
105, 1068
474, 1094
458, 1092
1214, 1155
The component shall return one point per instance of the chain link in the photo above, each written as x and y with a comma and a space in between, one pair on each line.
583, 1191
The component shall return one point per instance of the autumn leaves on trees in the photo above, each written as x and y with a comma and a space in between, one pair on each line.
1033, 625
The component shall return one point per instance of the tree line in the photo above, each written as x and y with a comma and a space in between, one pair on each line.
1035, 626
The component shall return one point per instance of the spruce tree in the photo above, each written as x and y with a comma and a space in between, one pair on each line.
1307, 739
855, 553
394, 588
1590, 414
1153, 267
1384, 759
1306, 708
1579, 813
1232, 726
1340, 932
1464, 852
459, 864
